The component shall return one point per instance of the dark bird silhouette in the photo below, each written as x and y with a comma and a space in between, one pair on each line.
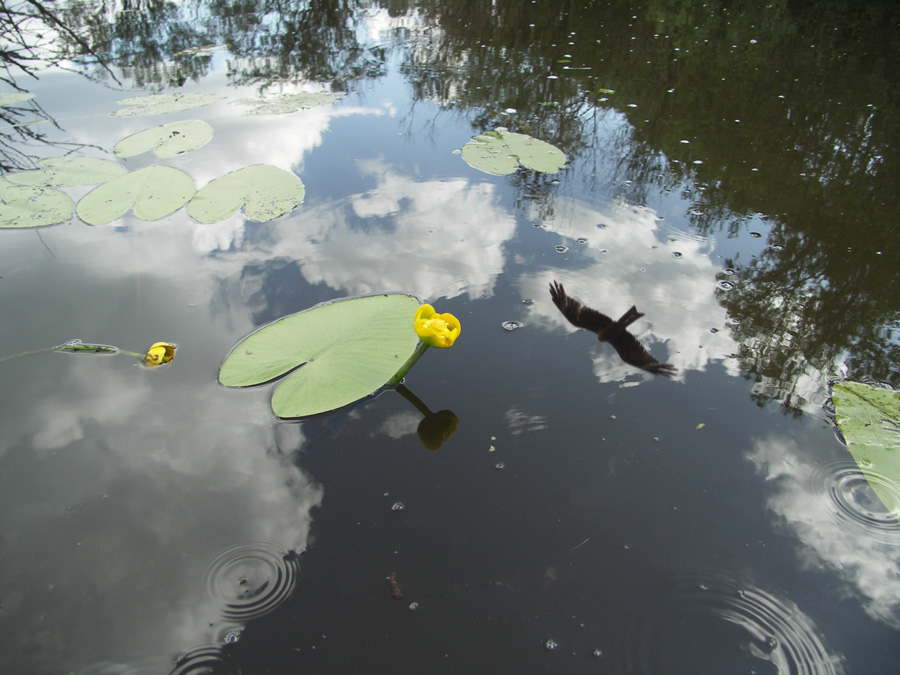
628, 347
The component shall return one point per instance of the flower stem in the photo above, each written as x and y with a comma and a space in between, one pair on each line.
410, 362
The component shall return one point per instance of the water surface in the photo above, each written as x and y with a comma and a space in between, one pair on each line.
731, 171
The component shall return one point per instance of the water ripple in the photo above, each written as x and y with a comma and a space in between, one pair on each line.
205, 661
708, 624
250, 580
848, 495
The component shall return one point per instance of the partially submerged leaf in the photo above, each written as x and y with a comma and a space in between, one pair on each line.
63, 171
869, 419
154, 192
12, 98
288, 103
265, 192
499, 152
32, 206
166, 140
163, 103
347, 350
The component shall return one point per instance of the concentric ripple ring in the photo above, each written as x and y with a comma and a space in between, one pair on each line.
250, 580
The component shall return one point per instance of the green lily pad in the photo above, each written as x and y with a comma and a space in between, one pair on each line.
163, 103
62, 171
166, 140
22, 206
265, 192
869, 419
11, 98
154, 192
288, 103
500, 152
336, 353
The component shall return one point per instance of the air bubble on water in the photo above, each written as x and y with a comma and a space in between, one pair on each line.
597, 653
713, 330
755, 235
728, 271
398, 506
726, 285
528, 301
511, 325
601, 226
457, 151
603, 250
232, 636
499, 466
677, 254
581, 240
561, 249
510, 111
551, 645
413, 606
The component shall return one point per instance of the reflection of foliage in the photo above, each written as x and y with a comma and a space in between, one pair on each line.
809, 301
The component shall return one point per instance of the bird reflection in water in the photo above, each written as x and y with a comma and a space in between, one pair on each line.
629, 349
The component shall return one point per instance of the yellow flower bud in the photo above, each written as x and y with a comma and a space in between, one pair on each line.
436, 330
159, 353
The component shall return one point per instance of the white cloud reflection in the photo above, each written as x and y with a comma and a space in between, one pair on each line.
802, 473
432, 238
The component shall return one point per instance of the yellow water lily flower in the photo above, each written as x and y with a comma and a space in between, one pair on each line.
436, 330
159, 353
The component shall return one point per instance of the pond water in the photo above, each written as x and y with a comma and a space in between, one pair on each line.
732, 171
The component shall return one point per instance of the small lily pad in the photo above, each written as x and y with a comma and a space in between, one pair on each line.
25, 206
166, 140
264, 191
62, 171
154, 192
500, 152
288, 103
869, 419
11, 98
336, 353
163, 103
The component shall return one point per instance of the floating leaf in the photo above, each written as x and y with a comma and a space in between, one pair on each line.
265, 192
61, 171
288, 103
10, 98
154, 191
32, 206
869, 419
166, 140
164, 103
500, 151
348, 349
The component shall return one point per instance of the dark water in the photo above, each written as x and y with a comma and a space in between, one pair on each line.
732, 171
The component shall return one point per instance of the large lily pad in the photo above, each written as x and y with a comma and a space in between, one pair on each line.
154, 192
336, 353
166, 140
62, 171
163, 103
288, 103
265, 192
22, 206
499, 152
869, 419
